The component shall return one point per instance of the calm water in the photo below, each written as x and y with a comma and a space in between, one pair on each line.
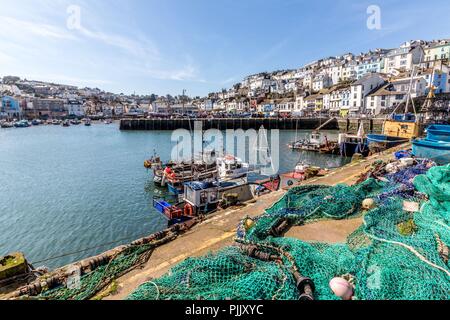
64, 190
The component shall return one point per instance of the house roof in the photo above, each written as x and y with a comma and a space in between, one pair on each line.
364, 78
384, 91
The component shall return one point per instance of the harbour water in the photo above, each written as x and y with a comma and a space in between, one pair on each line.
65, 190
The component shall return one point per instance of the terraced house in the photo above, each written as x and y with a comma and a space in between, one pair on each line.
403, 58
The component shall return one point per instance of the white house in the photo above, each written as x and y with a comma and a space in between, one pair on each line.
321, 81
403, 58
391, 95
360, 89
74, 108
339, 99
286, 106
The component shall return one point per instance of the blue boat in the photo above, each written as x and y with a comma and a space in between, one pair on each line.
175, 188
438, 132
381, 142
436, 146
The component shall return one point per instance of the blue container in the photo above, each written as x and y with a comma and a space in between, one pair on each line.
161, 205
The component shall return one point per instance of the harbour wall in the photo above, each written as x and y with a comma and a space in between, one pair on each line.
343, 125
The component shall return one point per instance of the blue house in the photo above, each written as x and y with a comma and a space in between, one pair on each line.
10, 107
439, 81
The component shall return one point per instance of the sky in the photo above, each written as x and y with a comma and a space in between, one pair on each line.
165, 46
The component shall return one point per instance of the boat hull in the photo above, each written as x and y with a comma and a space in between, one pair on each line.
438, 151
439, 133
175, 190
380, 142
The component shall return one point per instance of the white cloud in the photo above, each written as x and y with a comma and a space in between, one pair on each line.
134, 47
186, 73
17, 28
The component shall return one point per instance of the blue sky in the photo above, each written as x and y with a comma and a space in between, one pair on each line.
165, 46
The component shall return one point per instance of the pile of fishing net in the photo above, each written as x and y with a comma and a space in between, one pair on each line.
396, 254
91, 283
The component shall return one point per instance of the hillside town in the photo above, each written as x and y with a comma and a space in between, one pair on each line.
365, 85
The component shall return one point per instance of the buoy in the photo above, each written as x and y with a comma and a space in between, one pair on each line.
368, 204
342, 288
248, 224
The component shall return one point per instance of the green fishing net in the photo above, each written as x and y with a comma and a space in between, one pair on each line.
396, 254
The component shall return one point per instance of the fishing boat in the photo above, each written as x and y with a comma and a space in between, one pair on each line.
6, 124
75, 122
36, 122
231, 167
87, 122
397, 128
317, 141
56, 122
107, 121
65, 123
176, 176
204, 197
22, 124
349, 144
436, 145
301, 173
268, 185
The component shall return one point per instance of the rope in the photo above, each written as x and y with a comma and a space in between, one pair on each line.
84, 250
414, 251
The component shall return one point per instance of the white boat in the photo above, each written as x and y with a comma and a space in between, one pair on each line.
6, 124
231, 167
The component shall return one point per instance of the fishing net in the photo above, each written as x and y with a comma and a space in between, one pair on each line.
396, 254
93, 282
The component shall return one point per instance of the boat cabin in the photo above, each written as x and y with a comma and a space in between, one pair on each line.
231, 167
202, 196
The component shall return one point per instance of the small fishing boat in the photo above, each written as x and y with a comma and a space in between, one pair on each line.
87, 122
436, 146
75, 122
107, 121
231, 167
316, 142
204, 197
349, 144
301, 173
176, 176
36, 122
22, 124
65, 123
270, 184
6, 124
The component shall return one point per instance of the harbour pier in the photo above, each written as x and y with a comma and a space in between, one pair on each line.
343, 125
